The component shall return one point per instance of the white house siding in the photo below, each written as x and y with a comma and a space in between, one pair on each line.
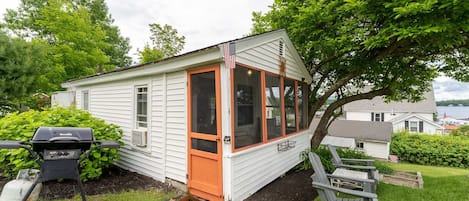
176, 126
114, 102
256, 167
358, 116
427, 127
339, 141
376, 149
266, 57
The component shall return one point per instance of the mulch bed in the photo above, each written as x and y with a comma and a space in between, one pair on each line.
294, 186
113, 180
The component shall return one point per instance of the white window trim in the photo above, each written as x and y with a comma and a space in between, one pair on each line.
148, 84
417, 126
83, 99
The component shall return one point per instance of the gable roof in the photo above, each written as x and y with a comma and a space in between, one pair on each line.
377, 104
411, 115
206, 55
363, 130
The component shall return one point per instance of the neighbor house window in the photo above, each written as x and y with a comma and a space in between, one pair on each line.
359, 145
141, 93
247, 107
290, 103
377, 116
273, 107
86, 100
413, 126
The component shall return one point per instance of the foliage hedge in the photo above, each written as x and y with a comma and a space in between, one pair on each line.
437, 150
21, 126
461, 131
326, 159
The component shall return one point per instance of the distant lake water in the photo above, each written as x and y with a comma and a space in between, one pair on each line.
455, 111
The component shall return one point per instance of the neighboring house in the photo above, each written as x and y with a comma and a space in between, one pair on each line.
200, 119
413, 117
373, 138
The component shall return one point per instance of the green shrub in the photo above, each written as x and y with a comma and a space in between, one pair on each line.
434, 150
21, 126
461, 131
326, 159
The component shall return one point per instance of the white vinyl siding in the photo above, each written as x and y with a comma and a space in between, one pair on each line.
266, 57
176, 127
114, 102
376, 149
256, 167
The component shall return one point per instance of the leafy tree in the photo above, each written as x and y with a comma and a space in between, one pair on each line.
461, 131
395, 47
165, 42
118, 45
79, 34
22, 71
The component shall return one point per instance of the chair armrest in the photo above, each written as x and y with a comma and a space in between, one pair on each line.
346, 191
351, 178
369, 162
357, 167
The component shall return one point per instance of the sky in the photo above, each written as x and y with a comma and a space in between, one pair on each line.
208, 22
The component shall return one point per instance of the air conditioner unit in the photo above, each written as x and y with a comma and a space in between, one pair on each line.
139, 138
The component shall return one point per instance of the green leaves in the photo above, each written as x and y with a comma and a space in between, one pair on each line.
431, 149
165, 42
22, 126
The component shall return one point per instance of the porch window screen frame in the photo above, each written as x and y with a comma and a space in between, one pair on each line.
273, 108
141, 106
238, 77
289, 107
248, 127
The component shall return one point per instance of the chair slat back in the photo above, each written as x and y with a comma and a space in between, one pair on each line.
321, 177
335, 156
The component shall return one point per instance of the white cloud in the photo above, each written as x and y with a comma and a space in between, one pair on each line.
446, 88
202, 22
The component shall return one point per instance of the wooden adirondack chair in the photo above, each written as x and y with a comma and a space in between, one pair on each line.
355, 164
327, 192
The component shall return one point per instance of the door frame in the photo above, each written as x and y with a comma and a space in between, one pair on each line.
216, 138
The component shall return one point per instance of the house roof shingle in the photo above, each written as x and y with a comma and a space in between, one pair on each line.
364, 130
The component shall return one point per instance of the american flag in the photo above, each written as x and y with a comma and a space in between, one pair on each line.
229, 53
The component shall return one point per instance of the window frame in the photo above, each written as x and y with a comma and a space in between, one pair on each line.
136, 102
265, 139
416, 126
86, 99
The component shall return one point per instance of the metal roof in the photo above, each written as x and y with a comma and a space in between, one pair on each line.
363, 130
378, 104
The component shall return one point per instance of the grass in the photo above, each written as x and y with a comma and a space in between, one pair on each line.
127, 196
440, 183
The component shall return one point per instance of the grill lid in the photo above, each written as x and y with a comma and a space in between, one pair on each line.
59, 134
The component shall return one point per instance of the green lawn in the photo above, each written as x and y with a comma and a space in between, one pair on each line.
440, 183
127, 196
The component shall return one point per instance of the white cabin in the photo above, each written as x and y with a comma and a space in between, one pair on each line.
224, 130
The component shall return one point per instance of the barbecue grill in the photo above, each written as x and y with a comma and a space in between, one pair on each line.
57, 150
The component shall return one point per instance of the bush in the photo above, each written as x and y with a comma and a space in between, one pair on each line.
21, 126
461, 131
435, 150
326, 159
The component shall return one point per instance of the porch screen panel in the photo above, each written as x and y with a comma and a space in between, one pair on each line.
290, 111
247, 107
273, 108
303, 105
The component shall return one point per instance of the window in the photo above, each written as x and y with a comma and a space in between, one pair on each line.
86, 100
247, 107
273, 106
377, 116
290, 104
359, 145
303, 105
266, 106
413, 126
141, 106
